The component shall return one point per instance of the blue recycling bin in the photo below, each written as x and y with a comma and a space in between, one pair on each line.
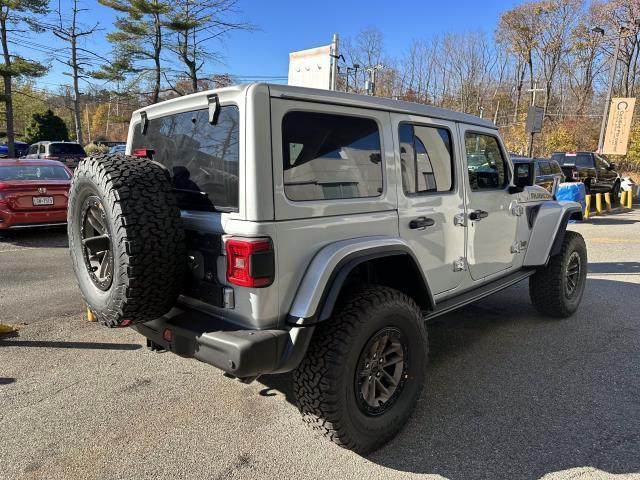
572, 191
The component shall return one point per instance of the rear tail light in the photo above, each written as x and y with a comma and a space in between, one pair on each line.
250, 262
142, 153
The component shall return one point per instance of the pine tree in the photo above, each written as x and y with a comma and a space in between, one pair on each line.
15, 16
46, 126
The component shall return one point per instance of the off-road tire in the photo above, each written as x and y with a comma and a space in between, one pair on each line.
146, 237
615, 193
324, 383
547, 287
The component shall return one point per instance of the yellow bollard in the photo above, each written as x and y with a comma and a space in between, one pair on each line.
630, 200
599, 203
90, 316
623, 199
587, 206
607, 201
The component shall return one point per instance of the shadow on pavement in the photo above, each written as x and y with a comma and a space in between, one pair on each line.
512, 394
611, 221
53, 237
54, 344
6, 381
615, 267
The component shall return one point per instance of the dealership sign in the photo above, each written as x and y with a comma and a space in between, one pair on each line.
618, 126
311, 68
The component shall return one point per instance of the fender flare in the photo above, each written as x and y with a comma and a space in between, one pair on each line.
319, 289
548, 231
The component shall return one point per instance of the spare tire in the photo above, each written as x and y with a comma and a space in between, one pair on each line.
126, 239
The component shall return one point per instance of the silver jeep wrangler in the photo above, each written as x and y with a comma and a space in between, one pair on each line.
268, 228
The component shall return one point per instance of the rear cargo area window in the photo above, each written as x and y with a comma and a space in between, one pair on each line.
330, 157
202, 158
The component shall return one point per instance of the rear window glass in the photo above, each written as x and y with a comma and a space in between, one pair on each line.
577, 159
34, 172
66, 149
329, 157
202, 158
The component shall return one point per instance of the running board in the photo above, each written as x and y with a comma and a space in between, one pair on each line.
471, 296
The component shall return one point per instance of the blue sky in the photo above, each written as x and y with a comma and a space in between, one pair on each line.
288, 25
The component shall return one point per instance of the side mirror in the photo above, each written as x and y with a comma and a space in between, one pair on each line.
523, 177
612, 166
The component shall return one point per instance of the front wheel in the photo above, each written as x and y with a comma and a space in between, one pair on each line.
364, 369
615, 193
556, 290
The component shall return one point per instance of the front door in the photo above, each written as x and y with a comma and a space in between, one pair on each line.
430, 196
492, 225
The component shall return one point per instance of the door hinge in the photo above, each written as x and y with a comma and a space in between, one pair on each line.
519, 246
460, 264
460, 219
516, 209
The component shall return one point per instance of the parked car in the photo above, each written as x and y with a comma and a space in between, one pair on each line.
120, 148
20, 149
598, 174
69, 153
33, 193
271, 228
548, 173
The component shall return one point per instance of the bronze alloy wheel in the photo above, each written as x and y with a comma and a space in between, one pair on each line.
96, 243
381, 371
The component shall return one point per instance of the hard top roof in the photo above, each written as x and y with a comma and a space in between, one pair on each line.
338, 98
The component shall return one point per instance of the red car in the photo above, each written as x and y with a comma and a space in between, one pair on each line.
33, 193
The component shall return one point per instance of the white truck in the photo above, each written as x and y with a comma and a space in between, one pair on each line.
269, 228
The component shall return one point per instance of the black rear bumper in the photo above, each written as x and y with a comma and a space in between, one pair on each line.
242, 353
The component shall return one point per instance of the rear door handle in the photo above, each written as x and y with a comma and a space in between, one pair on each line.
478, 215
421, 223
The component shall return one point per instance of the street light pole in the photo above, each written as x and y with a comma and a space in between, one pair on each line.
612, 74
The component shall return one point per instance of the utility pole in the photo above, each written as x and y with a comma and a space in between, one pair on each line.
533, 91
371, 82
334, 62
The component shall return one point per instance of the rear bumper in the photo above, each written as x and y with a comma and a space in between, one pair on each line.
10, 219
242, 353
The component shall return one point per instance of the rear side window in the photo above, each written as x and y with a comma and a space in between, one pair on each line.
202, 158
426, 159
66, 149
37, 172
578, 159
330, 157
545, 168
486, 166
555, 167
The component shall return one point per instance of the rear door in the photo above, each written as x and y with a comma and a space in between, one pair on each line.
492, 227
430, 196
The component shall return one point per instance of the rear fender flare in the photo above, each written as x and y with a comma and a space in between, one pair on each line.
329, 268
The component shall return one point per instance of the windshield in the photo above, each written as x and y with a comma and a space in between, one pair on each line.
577, 159
66, 149
42, 172
202, 158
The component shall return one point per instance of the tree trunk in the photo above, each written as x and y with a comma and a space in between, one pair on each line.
8, 100
156, 59
76, 91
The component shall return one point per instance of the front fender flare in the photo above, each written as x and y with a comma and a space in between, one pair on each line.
329, 268
548, 230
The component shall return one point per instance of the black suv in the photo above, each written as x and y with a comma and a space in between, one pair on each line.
596, 172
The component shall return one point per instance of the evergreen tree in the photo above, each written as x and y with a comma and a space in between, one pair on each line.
46, 126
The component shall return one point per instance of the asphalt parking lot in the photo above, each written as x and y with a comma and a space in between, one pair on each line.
509, 394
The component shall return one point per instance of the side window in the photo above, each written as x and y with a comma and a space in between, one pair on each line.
485, 163
545, 168
41, 149
426, 159
600, 162
555, 167
33, 149
330, 157
536, 169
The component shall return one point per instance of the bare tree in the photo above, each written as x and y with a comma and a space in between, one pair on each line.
69, 30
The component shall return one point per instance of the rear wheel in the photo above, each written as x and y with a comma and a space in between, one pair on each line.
364, 370
556, 290
125, 238
615, 193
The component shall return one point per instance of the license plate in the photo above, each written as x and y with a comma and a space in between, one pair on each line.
43, 200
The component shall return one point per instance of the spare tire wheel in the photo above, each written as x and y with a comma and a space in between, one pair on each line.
126, 239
